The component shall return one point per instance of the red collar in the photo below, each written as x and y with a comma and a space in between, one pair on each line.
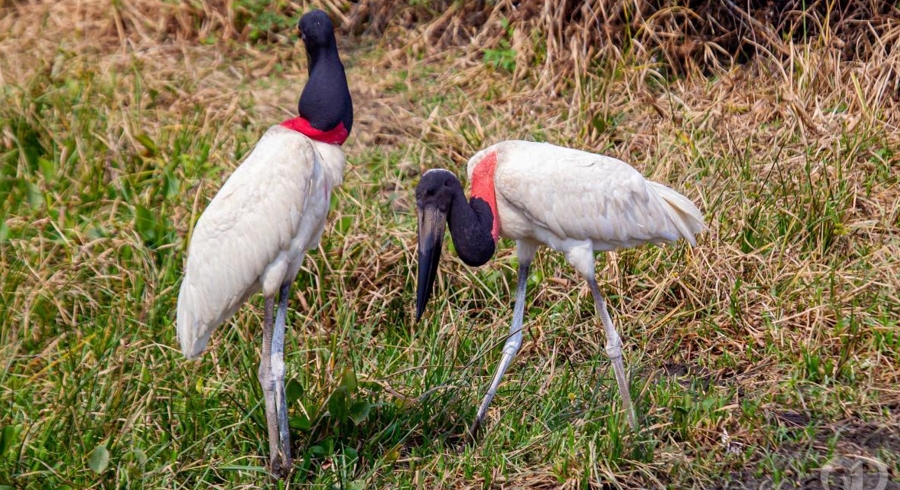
335, 136
483, 187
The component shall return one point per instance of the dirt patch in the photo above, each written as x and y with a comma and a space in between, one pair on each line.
869, 437
687, 374
859, 461
833, 479
791, 418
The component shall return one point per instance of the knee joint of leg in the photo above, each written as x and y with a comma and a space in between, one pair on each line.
278, 366
512, 347
614, 347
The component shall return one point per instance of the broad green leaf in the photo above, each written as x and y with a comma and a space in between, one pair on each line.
140, 456
35, 196
48, 168
173, 185
338, 404
8, 438
599, 123
99, 459
145, 223
359, 412
355, 485
293, 390
349, 379
345, 223
300, 422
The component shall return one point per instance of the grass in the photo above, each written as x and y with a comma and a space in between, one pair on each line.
757, 358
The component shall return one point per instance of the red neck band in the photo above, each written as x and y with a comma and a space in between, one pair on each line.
483, 187
336, 136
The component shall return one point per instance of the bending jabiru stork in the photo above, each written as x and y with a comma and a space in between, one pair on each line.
255, 232
540, 194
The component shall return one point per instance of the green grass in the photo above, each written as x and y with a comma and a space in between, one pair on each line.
780, 328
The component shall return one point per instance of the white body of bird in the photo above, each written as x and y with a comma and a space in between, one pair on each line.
577, 202
255, 232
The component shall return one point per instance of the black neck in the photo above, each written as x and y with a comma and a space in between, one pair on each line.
325, 101
315, 56
470, 225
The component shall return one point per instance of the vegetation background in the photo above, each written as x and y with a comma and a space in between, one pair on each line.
767, 357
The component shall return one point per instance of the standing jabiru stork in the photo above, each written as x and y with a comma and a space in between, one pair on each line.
540, 194
255, 232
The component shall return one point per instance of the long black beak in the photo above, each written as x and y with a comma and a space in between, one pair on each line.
431, 236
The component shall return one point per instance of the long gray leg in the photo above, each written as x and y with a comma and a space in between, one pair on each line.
514, 342
284, 440
614, 351
267, 382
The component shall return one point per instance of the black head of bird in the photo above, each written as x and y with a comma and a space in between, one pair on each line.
316, 30
440, 200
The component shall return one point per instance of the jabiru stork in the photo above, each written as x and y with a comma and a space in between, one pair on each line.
255, 232
572, 201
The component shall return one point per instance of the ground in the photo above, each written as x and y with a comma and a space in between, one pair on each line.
766, 357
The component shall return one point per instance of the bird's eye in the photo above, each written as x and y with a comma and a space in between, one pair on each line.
429, 192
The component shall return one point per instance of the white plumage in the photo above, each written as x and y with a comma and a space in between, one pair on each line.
255, 232
557, 196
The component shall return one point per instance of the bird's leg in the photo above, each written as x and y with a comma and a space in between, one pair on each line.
267, 382
513, 343
614, 351
281, 416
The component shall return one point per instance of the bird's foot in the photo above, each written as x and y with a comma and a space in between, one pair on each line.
472, 434
279, 468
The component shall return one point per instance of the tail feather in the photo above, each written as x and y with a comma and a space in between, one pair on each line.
193, 335
686, 217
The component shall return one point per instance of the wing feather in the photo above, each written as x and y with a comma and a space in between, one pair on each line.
252, 220
584, 196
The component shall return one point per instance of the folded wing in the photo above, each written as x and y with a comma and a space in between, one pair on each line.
251, 224
583, 196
